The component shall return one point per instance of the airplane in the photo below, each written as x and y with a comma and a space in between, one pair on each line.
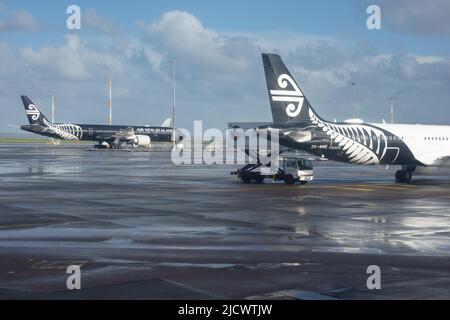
104, 136
418, 149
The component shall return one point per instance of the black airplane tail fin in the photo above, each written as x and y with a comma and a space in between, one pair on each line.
35, 116
287, 101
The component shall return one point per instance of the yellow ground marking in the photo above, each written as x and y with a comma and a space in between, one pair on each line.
354, 188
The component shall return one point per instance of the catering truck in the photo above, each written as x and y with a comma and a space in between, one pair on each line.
291, 169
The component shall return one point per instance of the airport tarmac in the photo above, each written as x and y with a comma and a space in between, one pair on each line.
142, 228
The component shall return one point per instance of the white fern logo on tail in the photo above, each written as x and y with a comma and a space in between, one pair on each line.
33, 112
295, 96
65, 131
362, 144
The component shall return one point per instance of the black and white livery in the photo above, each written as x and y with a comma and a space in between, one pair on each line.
104, 136
419, 149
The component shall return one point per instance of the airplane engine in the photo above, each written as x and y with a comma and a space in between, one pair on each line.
425, 170
301, 136
141, 141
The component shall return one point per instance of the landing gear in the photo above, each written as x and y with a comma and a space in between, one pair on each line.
101, 145
405, 175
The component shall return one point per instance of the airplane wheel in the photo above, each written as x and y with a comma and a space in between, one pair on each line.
403, 176
289, 180
408, 176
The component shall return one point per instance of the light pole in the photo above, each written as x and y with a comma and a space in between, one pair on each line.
52, 97
174, 63
110, 100
353, 84
53, 141
53, 108
392, 108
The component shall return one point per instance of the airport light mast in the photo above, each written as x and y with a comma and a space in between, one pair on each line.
353, 84
392, 108
52, 97
110, 100
53, 108
53, 141
174, 63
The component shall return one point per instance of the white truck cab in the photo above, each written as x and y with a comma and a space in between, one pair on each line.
299, 169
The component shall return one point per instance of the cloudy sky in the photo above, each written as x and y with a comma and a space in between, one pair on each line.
217, 46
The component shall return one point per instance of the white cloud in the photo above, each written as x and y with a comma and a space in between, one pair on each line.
428, 59
16, 20
179, 34
219, 75
74, 60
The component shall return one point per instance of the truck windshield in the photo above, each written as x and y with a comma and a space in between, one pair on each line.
305, 165
291, 164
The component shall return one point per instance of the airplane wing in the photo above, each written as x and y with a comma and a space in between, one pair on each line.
166, 123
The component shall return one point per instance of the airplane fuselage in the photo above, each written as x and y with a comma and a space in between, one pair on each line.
373, 144
94, 132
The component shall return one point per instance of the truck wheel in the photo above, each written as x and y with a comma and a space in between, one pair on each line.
246, 179
289, 180
259, 180
304, 182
